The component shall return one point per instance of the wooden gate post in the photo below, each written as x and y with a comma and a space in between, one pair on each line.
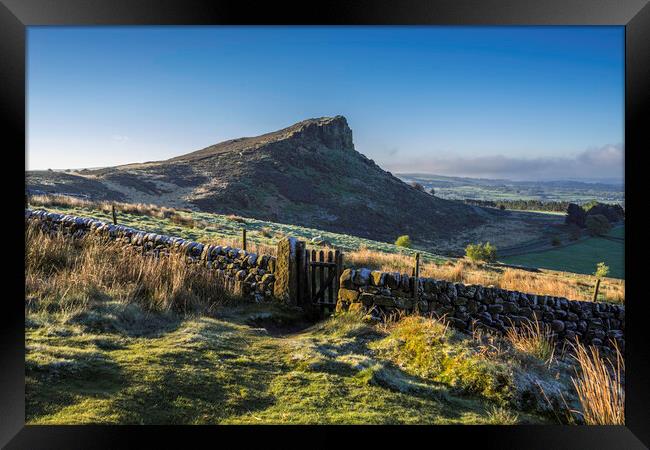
416, 275
114, 214
243, 238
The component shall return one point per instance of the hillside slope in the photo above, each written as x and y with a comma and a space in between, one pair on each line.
308, 174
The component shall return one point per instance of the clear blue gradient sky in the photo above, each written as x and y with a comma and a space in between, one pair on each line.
514, 102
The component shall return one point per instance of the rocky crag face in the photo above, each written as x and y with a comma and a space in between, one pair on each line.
308, 174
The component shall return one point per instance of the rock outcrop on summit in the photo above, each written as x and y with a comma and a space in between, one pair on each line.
308, 174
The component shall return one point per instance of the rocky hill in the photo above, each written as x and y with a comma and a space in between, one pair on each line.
308, 174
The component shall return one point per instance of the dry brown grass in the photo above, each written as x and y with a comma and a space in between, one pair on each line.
573, 286
533, 338
599, 383
234, 218
388, 262
141, 209
184, 221
64, 275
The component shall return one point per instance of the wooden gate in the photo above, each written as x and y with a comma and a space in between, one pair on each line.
323, 273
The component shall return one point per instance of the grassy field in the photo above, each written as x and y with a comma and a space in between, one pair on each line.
229, 369
580, 257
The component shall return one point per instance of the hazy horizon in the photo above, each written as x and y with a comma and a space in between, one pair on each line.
517, 103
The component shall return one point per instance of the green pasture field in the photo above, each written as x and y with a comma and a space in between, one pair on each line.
580, 257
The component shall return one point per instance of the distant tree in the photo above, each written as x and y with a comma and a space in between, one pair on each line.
614, 213
556, 241
432, 191
417, 186
597, 224
481, 252
576, 215
403, 241
502, 207
601, 272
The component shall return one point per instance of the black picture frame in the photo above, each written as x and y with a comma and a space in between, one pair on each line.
16, 15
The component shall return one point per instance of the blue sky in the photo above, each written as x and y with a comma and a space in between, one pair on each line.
515, 102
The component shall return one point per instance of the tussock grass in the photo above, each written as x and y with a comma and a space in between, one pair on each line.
235, 218
533, 338
428, 348
184, 221
65, 275
501, 416
599, 383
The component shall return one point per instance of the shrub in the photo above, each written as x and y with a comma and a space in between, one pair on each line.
601, 270
556, 241
403, 241
432, 191
481, 252
597, 224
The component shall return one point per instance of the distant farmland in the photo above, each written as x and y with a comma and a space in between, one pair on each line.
580, 257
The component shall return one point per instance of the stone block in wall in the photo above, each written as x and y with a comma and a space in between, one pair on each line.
286, 271
459, 301
404, 302
405, 283
457, 323
392, 280
495, 309
429, 286
379, 300
510, 307
346, 280
348, 295
362, 277
377, 278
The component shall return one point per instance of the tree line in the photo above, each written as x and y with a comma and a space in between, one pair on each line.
524, 205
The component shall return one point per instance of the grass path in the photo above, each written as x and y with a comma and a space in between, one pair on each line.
225, 370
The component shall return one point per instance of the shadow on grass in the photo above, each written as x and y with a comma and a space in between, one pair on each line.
50, 387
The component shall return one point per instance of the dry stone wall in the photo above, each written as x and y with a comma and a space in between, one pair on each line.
467, 306
240, 272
